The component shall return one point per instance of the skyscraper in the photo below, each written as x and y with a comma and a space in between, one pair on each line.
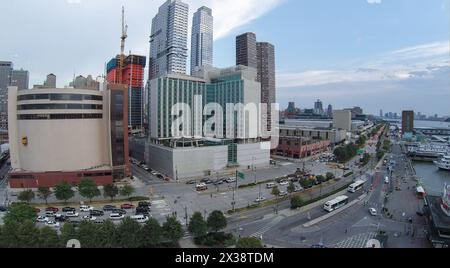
330, 111
133, 77
202, 39
6, 68
407, 121
246, 53
168, 40
265, 54
318, 107
20, 79
50, 82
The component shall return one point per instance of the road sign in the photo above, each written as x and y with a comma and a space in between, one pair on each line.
241, 175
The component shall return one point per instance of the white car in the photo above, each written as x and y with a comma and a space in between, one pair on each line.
386, 180
260, 199
72, 214
42, 219
298, 189
154, 173
86, 208
52, 224
116, 216
283, 193
89, 218
284, 183
231, 180
140, 218
373, 212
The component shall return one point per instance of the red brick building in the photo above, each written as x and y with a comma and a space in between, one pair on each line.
300, 147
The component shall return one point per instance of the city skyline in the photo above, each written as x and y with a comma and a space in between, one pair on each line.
381, 55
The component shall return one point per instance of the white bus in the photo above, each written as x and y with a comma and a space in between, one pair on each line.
359, 184
336, 203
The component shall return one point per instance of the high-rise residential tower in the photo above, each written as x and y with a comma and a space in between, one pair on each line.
246, 53
265, 55
168, 40
407, 122
20, 79
202, 39
6, 68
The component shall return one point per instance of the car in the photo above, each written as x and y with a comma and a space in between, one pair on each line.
52, 224
50, 214
260, 199
36, 210
42, 219
298, 189
207, 181
319, 246
140, 218
373, 212
283, 193
3, 209
230, 180
89, 218
97, 213
127, 206
109, 207
86, 208
60, 218
68, 209
144, 204
270, 185
218, 182
72, 214
191, 182
116, 216
54, 210
284, 183
159, 176
74, 221
143, 212
386, 180
119, 211
154, 173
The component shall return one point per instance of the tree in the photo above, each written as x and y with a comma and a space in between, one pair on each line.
248, 243
320, 179
44, 193
48, 238
127, 190
106, 235
87, 234
150, 234
216, 221
291, 188
276, 192
88, 189
8, 237
197, 225
110, 190
63, 191
19, 213
296, 202
172, 229
26, 196
68, 232
127, 235
27, 235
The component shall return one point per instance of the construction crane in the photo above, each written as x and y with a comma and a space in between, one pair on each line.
122, 46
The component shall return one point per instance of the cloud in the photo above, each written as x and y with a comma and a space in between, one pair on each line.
397, 65
73, 1
374, 1
231, 14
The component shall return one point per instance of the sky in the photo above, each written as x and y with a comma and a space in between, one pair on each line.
377, 54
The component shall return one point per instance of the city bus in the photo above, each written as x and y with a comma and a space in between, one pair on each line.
336, 203
359, 184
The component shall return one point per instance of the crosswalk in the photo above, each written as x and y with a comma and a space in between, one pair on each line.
161, 207
266, 227
357, 241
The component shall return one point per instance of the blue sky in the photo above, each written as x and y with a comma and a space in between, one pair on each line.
379, 54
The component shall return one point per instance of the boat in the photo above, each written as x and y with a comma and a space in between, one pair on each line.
443, 163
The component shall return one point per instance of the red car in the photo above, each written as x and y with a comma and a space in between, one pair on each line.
52, 209
127, 206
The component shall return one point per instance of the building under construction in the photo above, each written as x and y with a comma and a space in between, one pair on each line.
129, 71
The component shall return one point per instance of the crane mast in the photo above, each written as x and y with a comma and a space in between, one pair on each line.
122, 47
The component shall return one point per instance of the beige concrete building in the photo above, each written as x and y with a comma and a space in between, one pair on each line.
342, 119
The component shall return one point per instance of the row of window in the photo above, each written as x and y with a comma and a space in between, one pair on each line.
58, 116
61, 97
59, 106
81, 175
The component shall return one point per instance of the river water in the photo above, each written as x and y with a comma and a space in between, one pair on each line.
432, 178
